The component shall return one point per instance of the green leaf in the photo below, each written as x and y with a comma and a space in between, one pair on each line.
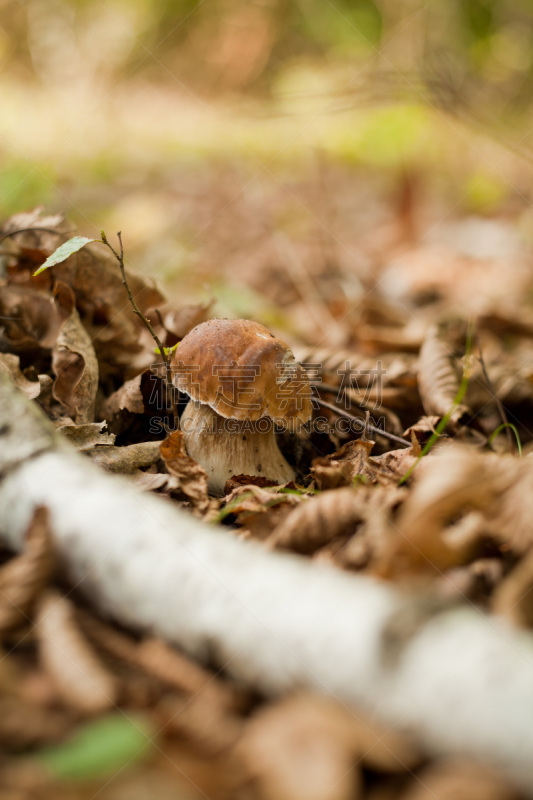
63, 252
99, 748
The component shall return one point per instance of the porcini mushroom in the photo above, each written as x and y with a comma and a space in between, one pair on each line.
242, 382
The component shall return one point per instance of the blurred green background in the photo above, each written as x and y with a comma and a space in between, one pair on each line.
158, 116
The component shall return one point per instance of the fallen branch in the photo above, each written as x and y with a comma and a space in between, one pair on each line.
460, 681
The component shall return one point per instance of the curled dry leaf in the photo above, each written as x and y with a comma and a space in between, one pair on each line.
30, 321
126, 459
259, 510
297, 749
252, 498
22, 578
514, 595
37, 234
347, 465
24, 725
378, 508
397, 385
209, 727
191, 476
396, 463
74, 361
87, 436
308, 746
459, 780
78, 674
10, 364
459, 496
423, 429
141, 397
318, 520
438, 378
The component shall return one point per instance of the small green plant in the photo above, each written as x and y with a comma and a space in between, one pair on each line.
513, 428
99, 749
76, 243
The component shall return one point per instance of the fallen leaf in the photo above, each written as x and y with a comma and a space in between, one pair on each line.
453, 779
23, 577
74, 361
87, 436
126, 459
513, 597
439, 379
78, 674
319, 519
10, 364
345, 466
192, 477
297, 749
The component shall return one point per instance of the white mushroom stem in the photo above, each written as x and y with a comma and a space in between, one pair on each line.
459, 680
226, 447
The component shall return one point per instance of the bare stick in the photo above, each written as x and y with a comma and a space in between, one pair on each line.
370, 428
274, 621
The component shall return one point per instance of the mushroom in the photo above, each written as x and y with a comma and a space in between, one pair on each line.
242, 382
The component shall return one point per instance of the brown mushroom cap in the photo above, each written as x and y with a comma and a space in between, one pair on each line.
243, 372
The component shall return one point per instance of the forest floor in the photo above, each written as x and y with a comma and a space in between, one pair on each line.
416, 314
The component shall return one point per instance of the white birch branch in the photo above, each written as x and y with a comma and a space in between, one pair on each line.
461, 682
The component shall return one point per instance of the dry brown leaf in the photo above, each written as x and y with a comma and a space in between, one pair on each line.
78, 674
22, 578
179, 321
297, 749
252, 498
238, 481
155, 481
459, 780
88, 435
191, 476
120, 340
439, 378
378, 507
30, 322
24, 725
345, 466
126, 459
423, 429
38, 235
319, 519
181, 672
397, 463
10, 364
139, 402
74, 361
513, 598
397, 388
162, 662
209, 727
259, 510
459, 496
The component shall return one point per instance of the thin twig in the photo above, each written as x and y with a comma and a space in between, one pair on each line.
368, 427
162, 350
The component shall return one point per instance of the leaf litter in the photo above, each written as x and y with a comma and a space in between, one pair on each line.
449, 512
